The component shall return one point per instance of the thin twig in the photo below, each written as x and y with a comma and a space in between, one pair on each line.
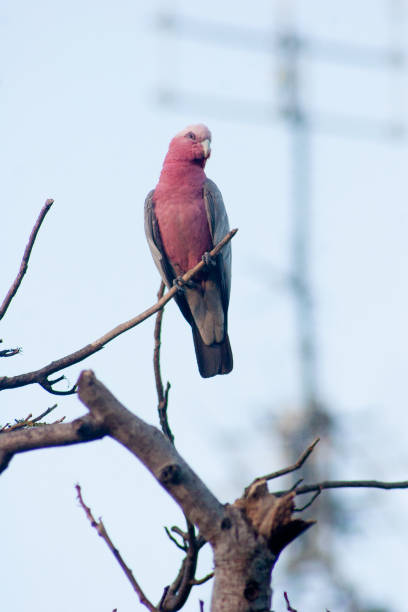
295, 486
38, 376
10, 352
44, 414
289, 607
162, 395
346, 484
83, 429
19, 424
175, 595
100, 528
47, 385
24, 263
180, 532
353, 484
287, 470
203, 580
309, 503
61, 420
29, 422
173, 539
157, 344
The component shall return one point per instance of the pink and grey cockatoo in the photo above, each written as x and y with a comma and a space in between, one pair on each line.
185, 217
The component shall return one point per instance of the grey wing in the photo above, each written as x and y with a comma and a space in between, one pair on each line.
154, 241
219, 227
159, 256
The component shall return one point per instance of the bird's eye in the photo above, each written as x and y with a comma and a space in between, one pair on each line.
191, 135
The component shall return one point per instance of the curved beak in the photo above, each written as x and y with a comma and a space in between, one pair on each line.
206, 144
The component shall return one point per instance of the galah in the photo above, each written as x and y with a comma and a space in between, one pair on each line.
185, 218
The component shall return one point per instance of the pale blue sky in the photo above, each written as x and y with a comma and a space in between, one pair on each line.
79, 123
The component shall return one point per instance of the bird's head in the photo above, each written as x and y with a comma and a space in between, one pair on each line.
191, 144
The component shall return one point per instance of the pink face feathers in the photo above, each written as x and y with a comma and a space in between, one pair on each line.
200, 131
190, 145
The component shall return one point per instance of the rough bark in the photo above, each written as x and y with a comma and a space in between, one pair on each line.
242, 567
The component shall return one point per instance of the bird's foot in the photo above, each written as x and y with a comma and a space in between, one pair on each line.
181, 284
209, 260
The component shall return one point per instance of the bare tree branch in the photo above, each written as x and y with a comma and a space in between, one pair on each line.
47, 385
287, 470
84, 429
100, 528
162, 395
176, 595
153, 449
19, 423
246, 537
326, 484
289, 607
182, 547
39, 376
109, 417
44, 414
159, 456
9, 352
204, 579
309, 503
24, 263
28, 421
349, 484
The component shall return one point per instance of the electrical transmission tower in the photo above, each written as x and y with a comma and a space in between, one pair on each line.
288, 48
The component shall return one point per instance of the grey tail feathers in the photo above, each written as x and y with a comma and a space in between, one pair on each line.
212, 359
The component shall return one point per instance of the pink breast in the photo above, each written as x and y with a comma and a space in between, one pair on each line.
184, 231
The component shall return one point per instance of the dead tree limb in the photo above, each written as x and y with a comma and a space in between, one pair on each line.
80, 430
153, 449
246, 537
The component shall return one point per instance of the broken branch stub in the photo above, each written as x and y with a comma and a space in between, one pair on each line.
271, 516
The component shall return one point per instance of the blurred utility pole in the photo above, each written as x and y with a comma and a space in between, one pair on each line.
288, 49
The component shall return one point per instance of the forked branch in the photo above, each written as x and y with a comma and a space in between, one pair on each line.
288, 470
318, 487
